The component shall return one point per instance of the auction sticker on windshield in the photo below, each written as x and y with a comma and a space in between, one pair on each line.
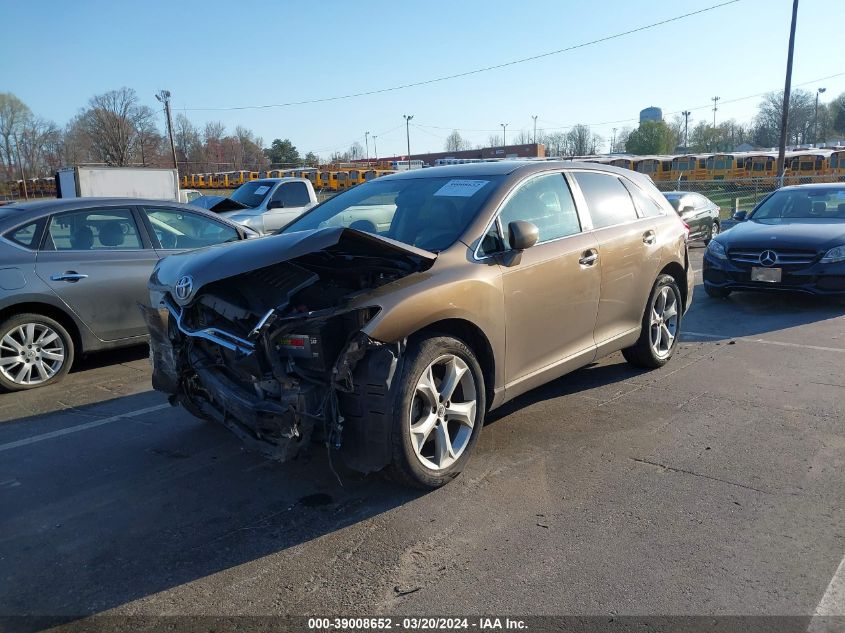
460, 188
260, 191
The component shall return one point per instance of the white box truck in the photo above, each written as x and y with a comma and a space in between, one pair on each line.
118, 182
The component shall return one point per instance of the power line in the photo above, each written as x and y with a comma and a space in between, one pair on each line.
476, 71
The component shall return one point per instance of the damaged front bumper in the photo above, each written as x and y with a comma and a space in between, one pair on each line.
281, 411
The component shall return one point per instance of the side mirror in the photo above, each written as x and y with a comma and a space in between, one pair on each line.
687, 209
522, 234
741, 216
275, 204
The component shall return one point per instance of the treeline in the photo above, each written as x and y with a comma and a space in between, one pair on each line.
114, 128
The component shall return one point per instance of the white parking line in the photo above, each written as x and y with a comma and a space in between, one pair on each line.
832, 602
765, 342
79, 427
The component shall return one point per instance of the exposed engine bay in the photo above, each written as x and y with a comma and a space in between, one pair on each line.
274, 353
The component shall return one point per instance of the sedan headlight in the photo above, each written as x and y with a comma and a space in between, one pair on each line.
717, 250
836, 254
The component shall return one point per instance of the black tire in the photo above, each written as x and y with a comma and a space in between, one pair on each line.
11, 324
641, 354
716, 293
405, 467
715, 228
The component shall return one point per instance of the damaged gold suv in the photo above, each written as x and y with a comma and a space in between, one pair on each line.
387, 321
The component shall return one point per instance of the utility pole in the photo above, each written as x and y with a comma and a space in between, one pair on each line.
612, 139
534, 116
164, 97
20, 167
504, 132
715, 101
787, 88
816, 117
686, 115
408, 118
375, 147
367, 144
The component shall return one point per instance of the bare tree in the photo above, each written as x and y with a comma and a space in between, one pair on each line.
522, 138
111, 124
456, 143
494, 140
580, 140
14, 113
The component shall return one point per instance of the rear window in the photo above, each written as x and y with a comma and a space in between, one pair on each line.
27, 235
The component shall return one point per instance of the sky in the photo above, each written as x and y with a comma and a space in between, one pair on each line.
214, 54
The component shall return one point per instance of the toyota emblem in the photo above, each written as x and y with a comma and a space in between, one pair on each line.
184, 287
768, 258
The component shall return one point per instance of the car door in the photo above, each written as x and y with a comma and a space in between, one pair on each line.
551, 290
293, 197
628, 250
98, 261
175, 230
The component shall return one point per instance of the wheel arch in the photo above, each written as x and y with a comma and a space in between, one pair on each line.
48, 310
476, 340
677, 272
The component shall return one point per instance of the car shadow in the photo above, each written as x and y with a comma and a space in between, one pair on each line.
754, 313
100, 518
106, 358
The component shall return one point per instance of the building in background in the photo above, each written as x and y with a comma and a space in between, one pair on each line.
651, 113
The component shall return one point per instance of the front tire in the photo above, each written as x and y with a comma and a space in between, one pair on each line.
35, 351
438, 413
661, 326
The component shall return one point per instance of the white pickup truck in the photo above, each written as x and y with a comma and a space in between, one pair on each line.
265, 205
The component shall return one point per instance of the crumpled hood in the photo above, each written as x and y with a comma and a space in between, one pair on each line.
812, 234
214, 263
218, 204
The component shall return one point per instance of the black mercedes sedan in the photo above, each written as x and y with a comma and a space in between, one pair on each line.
793, 240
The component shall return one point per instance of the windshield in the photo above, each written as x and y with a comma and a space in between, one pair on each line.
429, 213
252, 194
826, 203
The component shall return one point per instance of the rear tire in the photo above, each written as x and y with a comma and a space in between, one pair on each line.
716, 293
661, 326
438, 413
35, 351
714, 231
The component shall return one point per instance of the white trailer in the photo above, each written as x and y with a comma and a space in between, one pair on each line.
118, 182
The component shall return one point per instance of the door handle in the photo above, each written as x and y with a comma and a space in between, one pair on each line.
649, 237
588, 258
70, 276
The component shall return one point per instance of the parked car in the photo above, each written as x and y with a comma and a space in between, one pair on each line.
793, 240
264, 205
189, 195
72, 273
699, 212
392, 317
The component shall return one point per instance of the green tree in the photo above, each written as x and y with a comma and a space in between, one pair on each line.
651, 137
311, 159
282, 152
837, 114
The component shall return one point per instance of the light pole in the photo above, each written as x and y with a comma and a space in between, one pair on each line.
816, 117
787, 88
20, 167
375, 147
686, 114
534, 116
612, 139
408, 118
715, 101
367, 145
504, 132
164, 97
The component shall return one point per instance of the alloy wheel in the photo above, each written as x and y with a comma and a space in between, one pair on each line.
443, 412
31, 353
664, 321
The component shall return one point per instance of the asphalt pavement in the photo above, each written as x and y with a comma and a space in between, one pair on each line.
712, 486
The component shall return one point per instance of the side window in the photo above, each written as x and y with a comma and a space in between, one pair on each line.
292, 194
646, 205
545, 201
607, 198
28, 235
177, 229
95, 230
